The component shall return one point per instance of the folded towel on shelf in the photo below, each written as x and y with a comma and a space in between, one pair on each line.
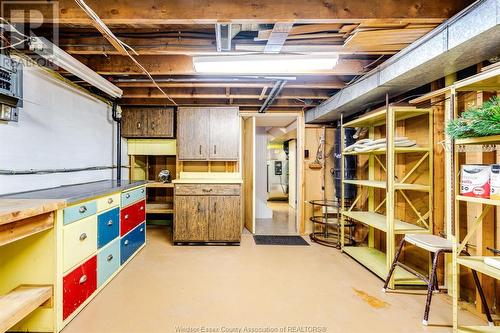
367, 145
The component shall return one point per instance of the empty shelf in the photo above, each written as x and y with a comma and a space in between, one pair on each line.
20, 302
482, 140
379, 221
477, 263
159, 208
382, 184
375, 261
378, 117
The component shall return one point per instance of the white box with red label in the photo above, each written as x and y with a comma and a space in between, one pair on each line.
475, 181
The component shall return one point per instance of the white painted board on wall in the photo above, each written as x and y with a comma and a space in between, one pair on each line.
261, 209
59, 127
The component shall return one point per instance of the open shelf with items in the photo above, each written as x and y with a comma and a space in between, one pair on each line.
148, 157
473, 219
397, 179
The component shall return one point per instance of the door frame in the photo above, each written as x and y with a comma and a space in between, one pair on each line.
250, 195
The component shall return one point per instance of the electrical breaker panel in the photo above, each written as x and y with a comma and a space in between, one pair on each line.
11, 88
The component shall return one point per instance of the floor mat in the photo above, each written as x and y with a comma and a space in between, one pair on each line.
279, 240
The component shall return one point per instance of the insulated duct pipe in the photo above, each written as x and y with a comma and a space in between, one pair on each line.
278, 86
118, 119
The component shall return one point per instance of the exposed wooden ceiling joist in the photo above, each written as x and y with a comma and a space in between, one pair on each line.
211, 102
135, 13
183, 65
313, 84
215, 93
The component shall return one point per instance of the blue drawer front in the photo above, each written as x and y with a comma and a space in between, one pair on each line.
108, 226
132, 196
132, 241
78, 212
108, 262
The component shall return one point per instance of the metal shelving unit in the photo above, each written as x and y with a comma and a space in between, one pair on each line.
485, 81
375, 260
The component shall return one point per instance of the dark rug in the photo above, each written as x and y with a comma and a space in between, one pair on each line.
279, 240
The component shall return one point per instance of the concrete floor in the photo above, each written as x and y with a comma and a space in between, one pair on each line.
166, 288
283, 221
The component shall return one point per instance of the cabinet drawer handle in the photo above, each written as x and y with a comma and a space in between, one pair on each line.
83, 279
110, 257
126, 242
215, 149
142, 207
207, 190
110, 201
199, 207
141, 230
83, 237
215, 207
153, 125
82, 209
110, 223
127, 195
142, 191
138, 125
200, 149
126, 216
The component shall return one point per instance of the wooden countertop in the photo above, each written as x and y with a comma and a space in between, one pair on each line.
12, 210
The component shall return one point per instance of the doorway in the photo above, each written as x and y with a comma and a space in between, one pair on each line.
271, 143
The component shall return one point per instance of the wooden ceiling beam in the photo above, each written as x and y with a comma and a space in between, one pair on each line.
183, 65
330, 85
210, 102
216, 93
147, 12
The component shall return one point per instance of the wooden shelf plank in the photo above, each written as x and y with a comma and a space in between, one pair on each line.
487, 80
155, 184
477, 264
375, 261
378, 117
397, 150
478, 200
159, 208
20, 302
379, 221
382, 184
478, 329
492, 139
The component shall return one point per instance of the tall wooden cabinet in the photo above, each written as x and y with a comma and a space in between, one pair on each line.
207, 213
148, 123
208, 133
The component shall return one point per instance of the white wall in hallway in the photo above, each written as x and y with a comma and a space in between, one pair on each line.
261, 210
59, 127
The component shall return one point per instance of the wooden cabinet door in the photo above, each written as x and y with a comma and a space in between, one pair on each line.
192, 133
160, 122
225, 219
134, 123
191, 218
224, 134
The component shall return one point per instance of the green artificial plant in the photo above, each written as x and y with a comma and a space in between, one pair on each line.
477, 121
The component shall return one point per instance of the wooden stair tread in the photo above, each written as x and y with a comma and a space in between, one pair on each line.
20, 302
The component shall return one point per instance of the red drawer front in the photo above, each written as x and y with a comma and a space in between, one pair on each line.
78, 285
132, 216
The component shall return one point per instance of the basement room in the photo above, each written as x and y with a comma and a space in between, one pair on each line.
250, 166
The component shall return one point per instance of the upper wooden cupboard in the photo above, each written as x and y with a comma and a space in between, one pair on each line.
205, 133
148, 123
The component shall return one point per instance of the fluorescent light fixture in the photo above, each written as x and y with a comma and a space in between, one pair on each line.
59, 57
264, 64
